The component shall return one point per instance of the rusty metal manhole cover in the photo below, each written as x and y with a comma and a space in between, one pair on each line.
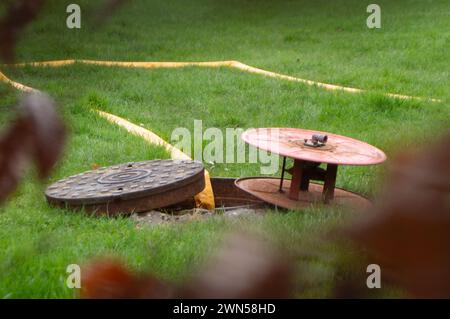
131, 187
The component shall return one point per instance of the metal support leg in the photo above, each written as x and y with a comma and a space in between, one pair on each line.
282, 174
330, 183
296, 179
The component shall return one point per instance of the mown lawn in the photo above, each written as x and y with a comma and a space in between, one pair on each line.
317, 40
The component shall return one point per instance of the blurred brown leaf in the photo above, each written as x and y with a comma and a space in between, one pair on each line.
110, 279
37, 135
18, 15
243, 268
408, 232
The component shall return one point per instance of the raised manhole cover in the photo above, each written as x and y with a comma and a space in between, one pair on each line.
131, 187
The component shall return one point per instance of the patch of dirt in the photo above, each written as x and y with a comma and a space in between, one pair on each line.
156, 217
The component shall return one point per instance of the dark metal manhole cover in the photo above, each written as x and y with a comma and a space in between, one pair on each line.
131, 187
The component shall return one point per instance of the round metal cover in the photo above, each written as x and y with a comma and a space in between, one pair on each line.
267, 189
130, 187
289, 142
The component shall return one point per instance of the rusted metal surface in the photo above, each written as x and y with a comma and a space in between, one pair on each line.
226, 196
131, 187
267, 189
289, 142
329, 183
309, 149
303, 172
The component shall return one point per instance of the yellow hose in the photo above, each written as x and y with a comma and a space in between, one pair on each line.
204, 199
212, 64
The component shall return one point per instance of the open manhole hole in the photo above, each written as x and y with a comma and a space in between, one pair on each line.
129, 188
231, 202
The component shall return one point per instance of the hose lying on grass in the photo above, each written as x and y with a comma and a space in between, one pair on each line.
210, 64
204, 199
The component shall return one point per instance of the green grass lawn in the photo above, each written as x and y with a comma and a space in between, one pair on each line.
318, 40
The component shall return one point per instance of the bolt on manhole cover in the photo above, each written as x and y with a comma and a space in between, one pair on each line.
130, 187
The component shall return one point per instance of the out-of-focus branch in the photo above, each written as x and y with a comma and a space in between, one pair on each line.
408, 232
37, 135
19, 14
244, 267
